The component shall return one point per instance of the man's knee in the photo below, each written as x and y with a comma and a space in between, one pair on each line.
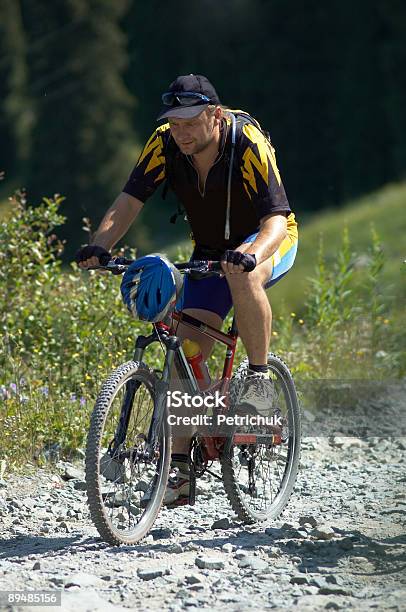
251, 280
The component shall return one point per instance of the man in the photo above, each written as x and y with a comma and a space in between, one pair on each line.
238, 211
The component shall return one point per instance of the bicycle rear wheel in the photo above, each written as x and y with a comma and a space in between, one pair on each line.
259, 474
125, 484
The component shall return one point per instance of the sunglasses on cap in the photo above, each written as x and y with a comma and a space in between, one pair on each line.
183, 98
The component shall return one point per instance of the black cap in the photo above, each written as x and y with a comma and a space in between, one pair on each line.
196, 83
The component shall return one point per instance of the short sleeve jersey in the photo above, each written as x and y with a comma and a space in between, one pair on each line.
256, 186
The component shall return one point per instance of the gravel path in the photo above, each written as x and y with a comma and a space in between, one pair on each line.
340, 544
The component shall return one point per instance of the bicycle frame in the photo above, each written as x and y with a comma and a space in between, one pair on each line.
166, 334
175, 355
228, 339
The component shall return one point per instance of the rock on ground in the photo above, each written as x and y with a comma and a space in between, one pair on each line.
339, 545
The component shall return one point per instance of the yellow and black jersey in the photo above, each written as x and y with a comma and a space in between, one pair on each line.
256, 188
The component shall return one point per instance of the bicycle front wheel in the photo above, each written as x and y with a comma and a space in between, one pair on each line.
126, 478
259, 469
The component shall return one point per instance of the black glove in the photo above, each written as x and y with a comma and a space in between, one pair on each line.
246, 260
92, 250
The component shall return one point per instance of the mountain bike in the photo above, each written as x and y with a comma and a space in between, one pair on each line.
128, 450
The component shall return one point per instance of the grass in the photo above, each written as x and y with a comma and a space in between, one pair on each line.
385, 209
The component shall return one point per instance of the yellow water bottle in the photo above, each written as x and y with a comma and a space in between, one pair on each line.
194, 356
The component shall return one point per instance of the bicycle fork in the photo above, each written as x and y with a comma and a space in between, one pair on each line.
173, 347
161, 387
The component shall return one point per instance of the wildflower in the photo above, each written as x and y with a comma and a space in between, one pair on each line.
13, 387
73, 397
292, 314
82, 401
44, 391
4, 394
386, 321
301, 321
274, 333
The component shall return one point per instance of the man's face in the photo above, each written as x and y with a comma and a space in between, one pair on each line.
193, 135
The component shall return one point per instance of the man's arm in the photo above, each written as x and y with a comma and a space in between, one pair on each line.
272, 232
147, 175
114, 224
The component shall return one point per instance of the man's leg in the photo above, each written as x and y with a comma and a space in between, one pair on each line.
252, 310
181, 444
254, 319
177, 490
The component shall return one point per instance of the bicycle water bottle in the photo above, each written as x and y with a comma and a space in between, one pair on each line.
194, 356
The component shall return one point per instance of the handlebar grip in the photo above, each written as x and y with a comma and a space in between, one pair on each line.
104, 259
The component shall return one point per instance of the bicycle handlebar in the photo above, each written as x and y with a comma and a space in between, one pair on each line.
118, 265
200, 265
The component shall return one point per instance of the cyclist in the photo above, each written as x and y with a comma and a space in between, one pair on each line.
238, 211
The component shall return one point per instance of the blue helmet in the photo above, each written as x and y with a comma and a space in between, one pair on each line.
150, 287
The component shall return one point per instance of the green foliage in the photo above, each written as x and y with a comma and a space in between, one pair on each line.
347, 330
329, 303
63, 332
385, 209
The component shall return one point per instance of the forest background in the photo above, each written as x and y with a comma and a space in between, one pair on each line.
81, 80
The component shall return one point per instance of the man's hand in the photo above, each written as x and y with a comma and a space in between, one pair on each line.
236, 262
89, 256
